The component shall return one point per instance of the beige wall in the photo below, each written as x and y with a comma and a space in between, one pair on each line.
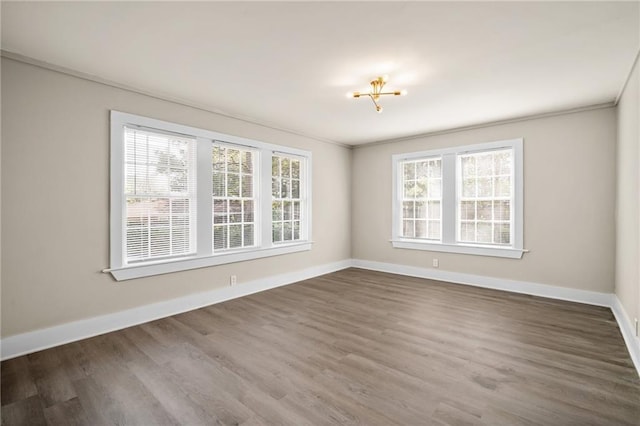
569, 194
55, 192
55, 201
627, 284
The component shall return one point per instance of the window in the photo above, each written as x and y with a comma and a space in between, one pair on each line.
184, 198
159, 194
422, 198
287, 198
463, 200
233, 197
484, 197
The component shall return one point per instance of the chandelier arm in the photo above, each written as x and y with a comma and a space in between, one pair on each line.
378, 107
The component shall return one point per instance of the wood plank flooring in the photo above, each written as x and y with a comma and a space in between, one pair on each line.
352, 347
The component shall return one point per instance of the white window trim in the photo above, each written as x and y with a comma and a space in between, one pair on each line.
449, 205
205, 256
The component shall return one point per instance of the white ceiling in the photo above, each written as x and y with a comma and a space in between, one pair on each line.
289, 65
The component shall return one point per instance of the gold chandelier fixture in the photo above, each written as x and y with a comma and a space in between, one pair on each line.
376, 91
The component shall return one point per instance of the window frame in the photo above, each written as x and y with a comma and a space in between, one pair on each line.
449, 205
203, 226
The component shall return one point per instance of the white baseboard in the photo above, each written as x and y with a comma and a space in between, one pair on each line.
628, 331
33, 341
562, 293
524, 287
26, 343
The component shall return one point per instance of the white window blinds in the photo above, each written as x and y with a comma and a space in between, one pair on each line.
159, 185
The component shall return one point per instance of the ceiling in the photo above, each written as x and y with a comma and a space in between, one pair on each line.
289, 65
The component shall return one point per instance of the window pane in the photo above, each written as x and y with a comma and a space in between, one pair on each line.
286, 210
276, 210
287, 231
421, 229
435, 169
285, 166
484, 164
233, 185
407, 228
484, 187
435, 186
235, 236
468, 166
295, 188
434, 229
296, 210
247, 162
501, 210
409, 171
469, 188
422, 169
484, 230
219, 237
407, 209
248, 235
484, 210
295, 169
434, 210
219, 184
247, 208
247, 186
503, 186
467, 210
502, 233
233, 160
277, 232
285, 187
409, 189
468, 232
502, 163
296, 230
218, 159
235, 211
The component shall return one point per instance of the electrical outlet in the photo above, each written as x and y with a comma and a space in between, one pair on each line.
233, 280
436, 263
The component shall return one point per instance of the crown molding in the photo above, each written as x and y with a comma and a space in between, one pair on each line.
489, 124
626, 81
161, 96
207, 108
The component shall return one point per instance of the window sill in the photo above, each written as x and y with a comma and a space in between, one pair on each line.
508, 252
149, 269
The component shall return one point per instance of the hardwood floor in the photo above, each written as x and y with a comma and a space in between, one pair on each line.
352, 347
